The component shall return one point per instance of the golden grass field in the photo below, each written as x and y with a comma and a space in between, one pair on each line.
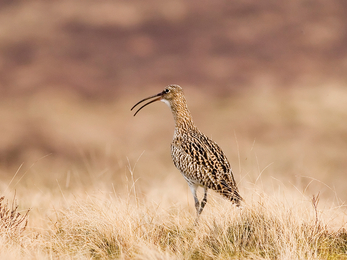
100, 183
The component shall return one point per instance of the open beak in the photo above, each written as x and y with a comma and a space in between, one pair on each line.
157, 98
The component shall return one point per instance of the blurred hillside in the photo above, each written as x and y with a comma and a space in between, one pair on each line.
265, 79
104, 48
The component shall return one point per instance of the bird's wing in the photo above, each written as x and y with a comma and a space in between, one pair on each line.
209, 157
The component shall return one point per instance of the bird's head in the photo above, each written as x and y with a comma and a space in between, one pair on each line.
169, 95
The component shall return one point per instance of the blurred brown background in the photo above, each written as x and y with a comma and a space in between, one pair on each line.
265, 79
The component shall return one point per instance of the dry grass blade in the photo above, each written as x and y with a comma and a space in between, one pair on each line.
315, 201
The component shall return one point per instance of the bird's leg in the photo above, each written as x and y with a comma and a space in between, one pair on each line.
193, 188
204, 201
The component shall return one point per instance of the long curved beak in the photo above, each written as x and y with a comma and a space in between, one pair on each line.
157, 98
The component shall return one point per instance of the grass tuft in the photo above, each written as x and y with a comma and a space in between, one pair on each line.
12, 222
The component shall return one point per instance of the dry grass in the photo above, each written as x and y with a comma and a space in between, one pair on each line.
99, 196
106, 226
265, 229
12, 223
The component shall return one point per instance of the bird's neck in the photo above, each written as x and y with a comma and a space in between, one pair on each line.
182, 116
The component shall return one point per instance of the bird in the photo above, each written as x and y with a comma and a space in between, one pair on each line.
199, 159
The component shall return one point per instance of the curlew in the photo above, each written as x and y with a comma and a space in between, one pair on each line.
199, 159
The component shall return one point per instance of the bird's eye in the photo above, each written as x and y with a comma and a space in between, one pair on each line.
166, 90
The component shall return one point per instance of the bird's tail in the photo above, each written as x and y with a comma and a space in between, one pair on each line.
231, 193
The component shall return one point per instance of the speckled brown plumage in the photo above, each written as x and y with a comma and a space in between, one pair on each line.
199, 159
